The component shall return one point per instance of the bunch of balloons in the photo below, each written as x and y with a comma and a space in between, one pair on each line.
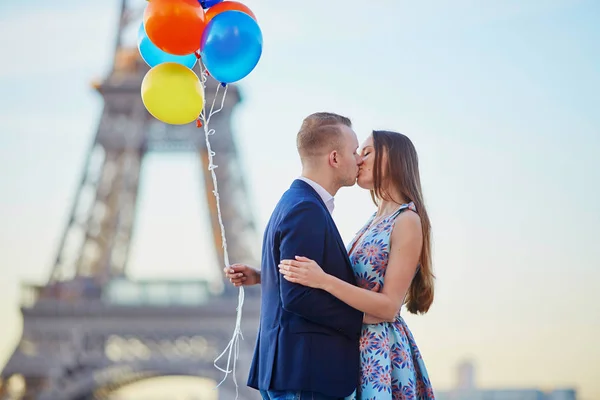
174, 34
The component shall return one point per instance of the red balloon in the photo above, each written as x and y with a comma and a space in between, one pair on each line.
227, 6
175, 26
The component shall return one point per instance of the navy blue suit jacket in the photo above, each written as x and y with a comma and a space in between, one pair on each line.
307, 339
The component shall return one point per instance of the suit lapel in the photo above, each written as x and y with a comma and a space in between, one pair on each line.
307, 188
340, 243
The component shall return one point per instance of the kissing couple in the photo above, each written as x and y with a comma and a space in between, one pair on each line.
330, 324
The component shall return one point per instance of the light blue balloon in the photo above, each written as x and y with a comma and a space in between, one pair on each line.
231, 46
153, 56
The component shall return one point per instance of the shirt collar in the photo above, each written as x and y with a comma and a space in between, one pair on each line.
327, 198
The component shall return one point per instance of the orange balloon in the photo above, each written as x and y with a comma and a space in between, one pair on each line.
227, 6
175, 26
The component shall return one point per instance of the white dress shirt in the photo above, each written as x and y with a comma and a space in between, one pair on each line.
325, 195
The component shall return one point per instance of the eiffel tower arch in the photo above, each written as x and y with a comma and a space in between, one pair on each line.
90, 329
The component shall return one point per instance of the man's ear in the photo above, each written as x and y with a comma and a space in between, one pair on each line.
333, 158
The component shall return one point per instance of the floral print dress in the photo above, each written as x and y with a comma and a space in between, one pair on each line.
391, 367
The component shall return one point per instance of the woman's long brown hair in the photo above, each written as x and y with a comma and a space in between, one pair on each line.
402, 172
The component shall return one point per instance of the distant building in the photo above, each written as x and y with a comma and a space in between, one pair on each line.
466, 389
466, 376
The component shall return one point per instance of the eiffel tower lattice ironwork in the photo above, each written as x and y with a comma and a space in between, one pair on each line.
90, 330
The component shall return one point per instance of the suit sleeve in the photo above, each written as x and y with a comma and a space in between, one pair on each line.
303, 234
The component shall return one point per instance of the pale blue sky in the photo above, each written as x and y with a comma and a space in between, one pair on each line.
500, 99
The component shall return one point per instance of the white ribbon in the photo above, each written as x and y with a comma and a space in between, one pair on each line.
233, 348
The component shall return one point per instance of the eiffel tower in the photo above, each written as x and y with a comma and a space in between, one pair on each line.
90, 330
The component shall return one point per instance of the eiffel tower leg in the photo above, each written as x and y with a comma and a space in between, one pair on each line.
102, 226
66, 258
106, 246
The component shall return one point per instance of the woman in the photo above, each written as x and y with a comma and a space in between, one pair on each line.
391, 258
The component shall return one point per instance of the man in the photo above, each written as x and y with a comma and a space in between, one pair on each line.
307, 345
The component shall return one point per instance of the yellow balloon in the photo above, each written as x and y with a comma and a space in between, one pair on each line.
173, 93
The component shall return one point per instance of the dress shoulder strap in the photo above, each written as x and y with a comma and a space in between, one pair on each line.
404, 207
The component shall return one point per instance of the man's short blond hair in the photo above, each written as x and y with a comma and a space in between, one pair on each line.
320, 133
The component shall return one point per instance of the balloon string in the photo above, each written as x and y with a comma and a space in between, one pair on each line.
233, 347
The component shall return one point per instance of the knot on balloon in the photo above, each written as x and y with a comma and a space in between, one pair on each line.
197, 53
223, 84
198, 123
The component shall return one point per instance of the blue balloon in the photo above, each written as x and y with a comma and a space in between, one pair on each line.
153, 56
231, 46
209, 3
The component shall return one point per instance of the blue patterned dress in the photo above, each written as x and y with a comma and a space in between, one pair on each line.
391, 367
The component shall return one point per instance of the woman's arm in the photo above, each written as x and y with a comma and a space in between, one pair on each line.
405, 248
